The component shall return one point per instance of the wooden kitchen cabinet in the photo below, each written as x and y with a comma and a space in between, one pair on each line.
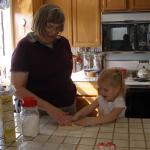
22, 14
125, 5
114, 5
86, 23
139, 4
86, 93
65, 5
82, 25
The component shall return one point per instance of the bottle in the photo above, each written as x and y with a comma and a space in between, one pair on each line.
97, 63
7, 113
30, 117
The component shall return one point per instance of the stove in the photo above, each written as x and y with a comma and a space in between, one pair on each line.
137, 98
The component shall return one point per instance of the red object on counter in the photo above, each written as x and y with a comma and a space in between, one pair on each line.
123, 71
101, 145
108, 145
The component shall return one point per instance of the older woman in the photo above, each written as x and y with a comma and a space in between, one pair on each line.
41, 65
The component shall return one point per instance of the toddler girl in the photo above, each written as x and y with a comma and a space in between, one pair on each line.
110, 101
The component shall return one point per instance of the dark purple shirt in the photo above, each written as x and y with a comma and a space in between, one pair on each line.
49, 69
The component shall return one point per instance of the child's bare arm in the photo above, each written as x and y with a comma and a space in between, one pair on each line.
112, 116
90, 121
85, 110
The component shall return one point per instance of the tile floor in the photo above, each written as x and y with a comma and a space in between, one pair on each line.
127, 134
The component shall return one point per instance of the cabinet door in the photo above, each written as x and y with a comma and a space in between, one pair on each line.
36, 4
65, 5
22, 13
113, 5
139, 4
86, 23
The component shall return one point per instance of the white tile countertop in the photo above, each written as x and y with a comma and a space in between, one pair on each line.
126, 133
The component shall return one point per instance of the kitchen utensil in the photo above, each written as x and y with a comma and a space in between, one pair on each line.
90, 73
143, 69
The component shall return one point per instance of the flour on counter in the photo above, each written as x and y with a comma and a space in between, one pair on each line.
71, 127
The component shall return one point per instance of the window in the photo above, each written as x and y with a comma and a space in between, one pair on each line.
5, 44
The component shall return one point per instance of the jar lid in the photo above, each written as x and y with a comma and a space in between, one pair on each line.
29, 102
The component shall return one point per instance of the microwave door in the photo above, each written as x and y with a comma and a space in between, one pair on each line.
143, 36
120, 38
117, 38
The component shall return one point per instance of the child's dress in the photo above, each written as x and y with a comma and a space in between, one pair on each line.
106, 107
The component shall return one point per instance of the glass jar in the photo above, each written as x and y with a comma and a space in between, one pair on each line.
97, 63
30, 117
7, 114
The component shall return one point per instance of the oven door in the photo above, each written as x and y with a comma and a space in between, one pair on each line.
138, 102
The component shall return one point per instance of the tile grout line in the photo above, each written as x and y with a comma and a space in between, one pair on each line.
144, 134
97, 137
122, 139
78, 144
79, 141
113, 131
128, 133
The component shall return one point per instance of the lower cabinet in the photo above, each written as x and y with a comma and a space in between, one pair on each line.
86, 94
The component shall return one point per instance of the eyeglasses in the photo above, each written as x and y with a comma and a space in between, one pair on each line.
54, 27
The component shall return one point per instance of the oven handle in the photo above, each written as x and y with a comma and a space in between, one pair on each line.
138, 86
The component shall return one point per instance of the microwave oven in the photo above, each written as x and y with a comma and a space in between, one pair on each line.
126, 36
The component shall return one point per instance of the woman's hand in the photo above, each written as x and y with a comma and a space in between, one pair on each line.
63, 118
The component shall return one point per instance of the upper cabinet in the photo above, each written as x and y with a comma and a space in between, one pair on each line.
113, 5
22, 14
139, 4
125, 5
86, 23
82, 24
82, 20
65, 5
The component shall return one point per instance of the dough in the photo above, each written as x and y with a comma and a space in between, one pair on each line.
71, 127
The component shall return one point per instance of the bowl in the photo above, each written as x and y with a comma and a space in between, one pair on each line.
90, 73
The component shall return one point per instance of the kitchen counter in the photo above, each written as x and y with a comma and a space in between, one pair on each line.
127, 134
81, 77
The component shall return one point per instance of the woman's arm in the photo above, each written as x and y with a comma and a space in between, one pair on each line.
19, 80
85, 110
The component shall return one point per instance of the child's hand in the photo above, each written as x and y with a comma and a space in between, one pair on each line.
87, 121
75, 117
